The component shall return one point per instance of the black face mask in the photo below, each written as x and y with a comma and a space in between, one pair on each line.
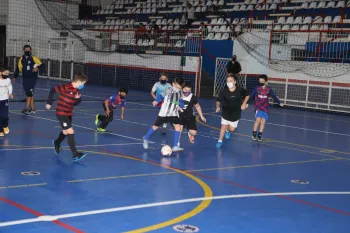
27, 53
122, 97
234, 59
261, 84
4, 76
163, 82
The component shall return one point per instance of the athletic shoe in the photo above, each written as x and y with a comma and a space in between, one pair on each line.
191, 138
34, 110
227, 134
259, 138
57, 148
218, 144
96, 120
101, 130
177, 149
6, 130
2, 134
25, 111
79, 156
253, 137
145, 144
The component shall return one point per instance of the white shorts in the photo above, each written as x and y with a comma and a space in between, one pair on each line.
234, 124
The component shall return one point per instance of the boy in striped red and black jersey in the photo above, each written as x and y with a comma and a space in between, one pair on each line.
69, 97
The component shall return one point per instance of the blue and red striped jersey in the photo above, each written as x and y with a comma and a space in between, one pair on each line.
261, 97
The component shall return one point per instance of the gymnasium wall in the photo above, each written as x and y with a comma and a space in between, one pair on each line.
3, 11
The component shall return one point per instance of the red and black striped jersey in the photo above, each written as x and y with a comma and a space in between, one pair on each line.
66, 99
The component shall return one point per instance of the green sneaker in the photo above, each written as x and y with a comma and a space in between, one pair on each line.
96, 120
101, 130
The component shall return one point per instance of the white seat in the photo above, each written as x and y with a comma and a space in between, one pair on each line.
214, 21
305, 5
221, 3
315, 27
217, 36
225, 36
210, 36
318, 19
286, 27
250, 8
243, 8
247, 2
295, 28
277, 27
290, 20
236, 8
273, 6
331, 5
179, 44
298, 20
305, 27
321, 5
313, 5
222, 28
307, 20
216, 29
209, 3
328, 19
337, 19
220, 21
340, 4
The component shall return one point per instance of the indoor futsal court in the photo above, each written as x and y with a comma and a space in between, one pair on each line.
295, 180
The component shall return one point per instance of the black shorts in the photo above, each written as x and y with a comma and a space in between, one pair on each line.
189, 123
29, 85
162, 120
65, 121
4, 108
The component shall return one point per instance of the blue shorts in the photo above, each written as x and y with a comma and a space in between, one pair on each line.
261, 114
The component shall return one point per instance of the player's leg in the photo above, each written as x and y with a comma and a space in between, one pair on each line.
105, 122
176, 121
262, 126
255, 127
192, 128
224, 126
63, 134
26, 89
32, 88
71, 142
1, 119
151, 130
100, 117
5, 116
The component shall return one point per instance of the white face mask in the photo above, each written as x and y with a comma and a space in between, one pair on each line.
229, 84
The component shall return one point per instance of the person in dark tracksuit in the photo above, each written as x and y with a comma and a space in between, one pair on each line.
234, 67
29, 66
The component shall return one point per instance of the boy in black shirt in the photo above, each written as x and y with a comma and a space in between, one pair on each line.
231, 101
188, 120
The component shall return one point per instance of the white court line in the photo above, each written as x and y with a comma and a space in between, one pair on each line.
166, 203
66, 147
288, 126
83, 127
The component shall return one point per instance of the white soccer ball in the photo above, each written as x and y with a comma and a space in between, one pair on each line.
166, 150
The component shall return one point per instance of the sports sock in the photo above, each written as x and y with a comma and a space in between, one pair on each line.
176, 138
60, 138
71, 143
149, 133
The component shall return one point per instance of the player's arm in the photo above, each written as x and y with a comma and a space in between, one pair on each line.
154, 88
107, 105
57, 89
275, 98
123, 109
200, 113
77, 99
252, 95
239, 68
15, 74
38, 64
245, 100
160, 98
219, 101
10, 88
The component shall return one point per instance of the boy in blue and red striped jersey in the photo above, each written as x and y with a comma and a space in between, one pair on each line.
69, 97
109, 105
261, 96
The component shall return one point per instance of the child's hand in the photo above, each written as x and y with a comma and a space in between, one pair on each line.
122, 117
154, 103
78, 95
203, 119
281, 105
48, 106
11, 96
244, 106
217, 109
180, 109
107, 113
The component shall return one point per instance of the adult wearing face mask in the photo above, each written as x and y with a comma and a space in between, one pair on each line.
233, 100
234, 67
159, 89
28, 65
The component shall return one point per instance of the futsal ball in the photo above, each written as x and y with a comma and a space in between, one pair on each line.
166, 150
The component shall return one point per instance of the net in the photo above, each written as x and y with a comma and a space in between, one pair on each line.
68, 38
318, 54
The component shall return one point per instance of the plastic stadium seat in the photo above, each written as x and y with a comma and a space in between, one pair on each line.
236, 8
210, 36
290, 20
315, 27
250, 8
273, 6
305, 5
254, 2
295, 28
247, 2
318, 19
305, 27
286, 27
277, 27
313, 5
209, 3
216, 29
215, 2
307, 20
179, 44
223, 28
221, 3
298, 20
340, 4
145, 43
217, 36
177, 22
321, 5
198, 9
330, 5
214, 21
328, 19
242, 8
225, 36
337, 19
220, 21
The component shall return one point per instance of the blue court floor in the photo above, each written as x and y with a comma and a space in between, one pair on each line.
245, 187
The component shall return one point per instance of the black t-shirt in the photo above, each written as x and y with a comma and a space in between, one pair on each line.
234, 68
189, 102
231, 103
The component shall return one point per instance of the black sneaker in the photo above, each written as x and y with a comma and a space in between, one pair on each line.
254, 137
57, 147
25, 111
34, 110
79, 156
259, 138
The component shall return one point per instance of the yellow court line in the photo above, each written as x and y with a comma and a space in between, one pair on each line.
200, 170
272, 140
202, 206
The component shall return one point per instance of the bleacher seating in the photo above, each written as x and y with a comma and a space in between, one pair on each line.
222, 18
